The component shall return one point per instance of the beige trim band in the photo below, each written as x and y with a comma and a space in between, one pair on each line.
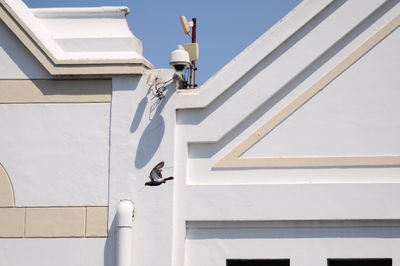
55, 91
287, 162
232, 160
54, 222
67, 67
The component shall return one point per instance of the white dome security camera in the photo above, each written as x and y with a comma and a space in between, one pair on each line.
179, 59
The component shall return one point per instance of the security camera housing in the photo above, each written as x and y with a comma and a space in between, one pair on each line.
179, 59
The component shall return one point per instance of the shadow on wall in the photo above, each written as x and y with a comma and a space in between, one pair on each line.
73, 86
110, 246
20, 56
295, 233
153, 134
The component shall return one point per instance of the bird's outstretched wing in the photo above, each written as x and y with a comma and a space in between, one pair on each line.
160, 165
155, 174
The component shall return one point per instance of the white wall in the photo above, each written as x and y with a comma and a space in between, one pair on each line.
354, 115
56, 154
305, 245
50, 252
142, 135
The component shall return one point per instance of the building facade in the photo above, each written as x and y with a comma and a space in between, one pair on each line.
289, 155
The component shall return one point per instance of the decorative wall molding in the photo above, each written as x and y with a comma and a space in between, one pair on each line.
55, 91
6, 189
233, 160
48, 222
54, 222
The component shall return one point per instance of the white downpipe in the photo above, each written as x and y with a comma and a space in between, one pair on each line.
124, 238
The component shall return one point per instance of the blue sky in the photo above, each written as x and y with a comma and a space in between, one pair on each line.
225, 27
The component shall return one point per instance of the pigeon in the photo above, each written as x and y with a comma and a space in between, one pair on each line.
155, 176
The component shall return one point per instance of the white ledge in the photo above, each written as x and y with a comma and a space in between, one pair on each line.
105, 11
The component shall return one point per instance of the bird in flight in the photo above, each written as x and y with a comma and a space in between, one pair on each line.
155, 176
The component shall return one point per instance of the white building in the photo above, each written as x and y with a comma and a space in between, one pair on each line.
289, 155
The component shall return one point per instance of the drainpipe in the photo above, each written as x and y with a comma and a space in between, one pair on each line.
124, 237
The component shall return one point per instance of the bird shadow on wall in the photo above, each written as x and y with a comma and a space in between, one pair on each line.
153, 134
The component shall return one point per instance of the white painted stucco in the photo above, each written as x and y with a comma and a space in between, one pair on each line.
211, 124
355, 114
56, 153
49, 252
281, 70
302, 245
204, 155
142, 135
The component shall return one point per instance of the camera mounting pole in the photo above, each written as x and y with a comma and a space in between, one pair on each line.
182, 61
192, 79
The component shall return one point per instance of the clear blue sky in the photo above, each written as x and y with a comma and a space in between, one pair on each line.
225, 27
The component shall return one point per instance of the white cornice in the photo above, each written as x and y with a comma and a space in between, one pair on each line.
51, 36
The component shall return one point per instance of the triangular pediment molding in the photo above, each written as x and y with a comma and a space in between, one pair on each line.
234, 160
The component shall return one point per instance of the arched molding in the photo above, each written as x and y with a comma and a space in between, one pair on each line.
6, 189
